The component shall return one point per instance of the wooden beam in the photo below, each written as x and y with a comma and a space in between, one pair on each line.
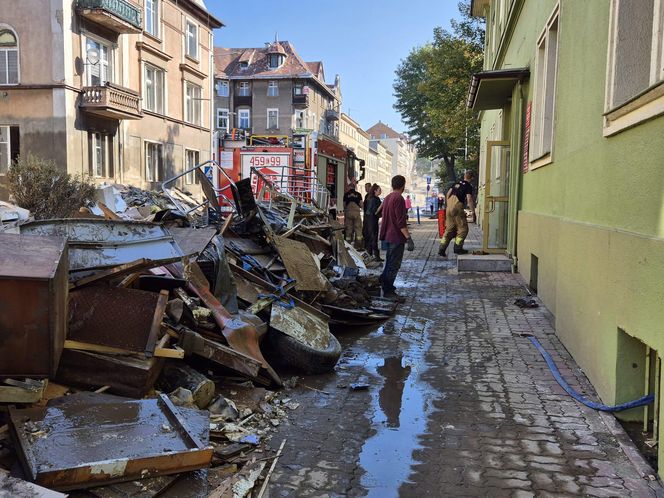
156, 323
96, 348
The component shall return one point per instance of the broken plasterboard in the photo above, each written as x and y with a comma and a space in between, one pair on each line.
301, 266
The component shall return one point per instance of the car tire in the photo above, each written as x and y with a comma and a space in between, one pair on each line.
295, 354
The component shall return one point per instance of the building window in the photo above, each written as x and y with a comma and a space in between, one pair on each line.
244, 119
272, 119
276, 60
192, 40
192, 103
154, 161
222, 119
272, 89
8, 57
152, 17
244, 89
153, 99
191, 161
101, 154
98, 63
222, 88
300, 118
544, 96
9, 147
298, 88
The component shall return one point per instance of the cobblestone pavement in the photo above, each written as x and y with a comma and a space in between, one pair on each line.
458, 402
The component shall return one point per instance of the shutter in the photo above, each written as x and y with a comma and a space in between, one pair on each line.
160, 163
111, 149
90, 154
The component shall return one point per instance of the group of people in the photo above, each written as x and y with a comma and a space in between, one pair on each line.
392, 232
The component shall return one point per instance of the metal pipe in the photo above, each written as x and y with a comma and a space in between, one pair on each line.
646, 389
655, 419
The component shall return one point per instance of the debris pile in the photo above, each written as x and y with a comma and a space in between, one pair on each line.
142, 339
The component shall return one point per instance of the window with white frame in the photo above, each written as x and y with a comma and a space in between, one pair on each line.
153, 161
222, 88
5, 149
544, 96
99, 63
272, 88
100, 154
154, 91
152, 17
636, 49
192, 40
244, 89
300, 118
272, 119
244, 119
222, 119
192, 103
9, 70
298, 88
191, 159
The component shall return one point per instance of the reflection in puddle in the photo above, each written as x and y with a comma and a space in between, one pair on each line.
401, 408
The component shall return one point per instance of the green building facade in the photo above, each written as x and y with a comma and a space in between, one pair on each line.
572, 175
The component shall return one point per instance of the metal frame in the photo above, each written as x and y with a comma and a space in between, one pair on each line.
489, 202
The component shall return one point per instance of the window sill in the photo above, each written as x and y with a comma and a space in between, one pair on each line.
640, 109
191, 59
152, 37
544, 160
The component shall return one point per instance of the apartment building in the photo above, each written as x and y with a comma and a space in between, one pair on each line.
356, 140
380, 160
113, 89
272, 91
403, 152
571, 188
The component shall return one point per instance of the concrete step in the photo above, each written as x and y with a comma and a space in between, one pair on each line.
488, 262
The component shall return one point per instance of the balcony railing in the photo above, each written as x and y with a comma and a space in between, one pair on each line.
111, 101
119, 15
301, 99
242, 100
331, 114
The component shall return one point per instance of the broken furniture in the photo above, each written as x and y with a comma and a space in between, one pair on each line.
86, 444
33, 302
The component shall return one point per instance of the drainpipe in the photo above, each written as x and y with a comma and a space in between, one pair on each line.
515, 179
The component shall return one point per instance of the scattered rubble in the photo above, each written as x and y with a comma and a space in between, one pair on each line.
163, 325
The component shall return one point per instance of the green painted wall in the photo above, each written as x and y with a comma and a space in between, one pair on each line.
595, 216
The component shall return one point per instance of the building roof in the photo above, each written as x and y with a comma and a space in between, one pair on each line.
201, 9
354, 124
380, 129
227, 64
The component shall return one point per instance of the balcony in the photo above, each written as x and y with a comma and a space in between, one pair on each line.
301, 99
120, 16
332, 115
111, 101
242, 100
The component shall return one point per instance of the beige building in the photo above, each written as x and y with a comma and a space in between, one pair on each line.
353, 137
380, 159
117, 90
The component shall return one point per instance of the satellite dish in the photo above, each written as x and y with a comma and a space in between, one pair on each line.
93, 55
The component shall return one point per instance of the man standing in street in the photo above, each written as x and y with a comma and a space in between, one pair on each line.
455, 216
367, 189
353, 214
395, 237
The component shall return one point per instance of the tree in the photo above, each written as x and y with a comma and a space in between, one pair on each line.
431, 87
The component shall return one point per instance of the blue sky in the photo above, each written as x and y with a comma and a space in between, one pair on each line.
361, 40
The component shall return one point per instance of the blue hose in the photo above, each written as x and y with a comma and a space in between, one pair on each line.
645, 400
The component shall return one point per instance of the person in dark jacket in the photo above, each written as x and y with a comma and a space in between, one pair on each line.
371, 216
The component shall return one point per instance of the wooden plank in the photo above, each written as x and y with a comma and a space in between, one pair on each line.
116, 271
225, 356
156, 323
96, 348
22, 392
175, 352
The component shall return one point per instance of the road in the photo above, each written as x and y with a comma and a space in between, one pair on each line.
458, 402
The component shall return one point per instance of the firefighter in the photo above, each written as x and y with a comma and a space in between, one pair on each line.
456, 225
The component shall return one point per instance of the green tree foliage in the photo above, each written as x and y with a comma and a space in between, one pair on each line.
431, 87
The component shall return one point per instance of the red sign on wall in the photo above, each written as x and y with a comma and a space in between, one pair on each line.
526, 140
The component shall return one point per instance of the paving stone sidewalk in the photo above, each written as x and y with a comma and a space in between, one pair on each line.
458, 403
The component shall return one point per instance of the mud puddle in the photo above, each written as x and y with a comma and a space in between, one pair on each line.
400, 410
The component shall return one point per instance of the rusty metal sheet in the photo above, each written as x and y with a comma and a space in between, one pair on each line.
33, 299
98, 243
114, 317
81, 445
